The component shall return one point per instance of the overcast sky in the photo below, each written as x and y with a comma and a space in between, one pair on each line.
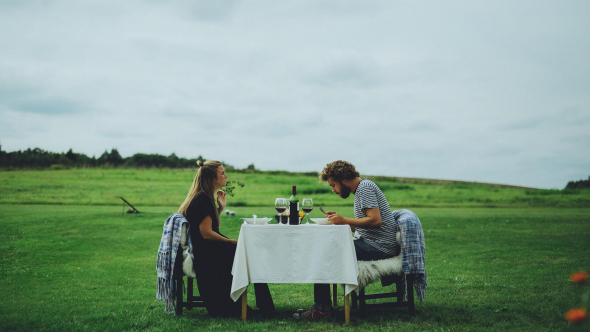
487, 91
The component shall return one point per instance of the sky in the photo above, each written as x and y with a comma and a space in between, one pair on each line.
485, 91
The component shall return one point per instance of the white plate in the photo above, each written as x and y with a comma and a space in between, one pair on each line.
259, 221
321, 221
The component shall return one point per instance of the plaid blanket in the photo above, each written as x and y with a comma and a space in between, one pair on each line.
166, 257
413, 249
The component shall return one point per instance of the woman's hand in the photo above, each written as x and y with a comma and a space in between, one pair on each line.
221, 201
233, 241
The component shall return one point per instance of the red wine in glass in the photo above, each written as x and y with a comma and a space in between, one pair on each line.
307, 206
280, 206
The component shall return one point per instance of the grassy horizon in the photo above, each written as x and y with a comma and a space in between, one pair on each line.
168, 187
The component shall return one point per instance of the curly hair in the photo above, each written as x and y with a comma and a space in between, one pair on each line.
338, 171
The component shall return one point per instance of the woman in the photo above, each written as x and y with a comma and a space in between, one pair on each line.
213, 251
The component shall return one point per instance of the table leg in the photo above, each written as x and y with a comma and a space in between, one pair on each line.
334, 295
347, 308
244, 304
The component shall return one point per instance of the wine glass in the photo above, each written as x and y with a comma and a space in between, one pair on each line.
280, 206
307, 206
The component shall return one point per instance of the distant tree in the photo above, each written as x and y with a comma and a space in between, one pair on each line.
115, 158
581, 184
172, 161
71, 155
103, 159
2, 156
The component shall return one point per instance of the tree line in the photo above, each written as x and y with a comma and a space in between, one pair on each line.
38, 158
581, 184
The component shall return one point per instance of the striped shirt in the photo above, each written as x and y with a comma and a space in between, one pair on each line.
367, 196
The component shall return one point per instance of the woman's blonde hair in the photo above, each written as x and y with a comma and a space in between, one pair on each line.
204, 182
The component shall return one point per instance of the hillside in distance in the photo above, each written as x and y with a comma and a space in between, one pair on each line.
168, 187
439, 181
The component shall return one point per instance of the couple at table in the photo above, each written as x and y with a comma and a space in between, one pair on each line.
374, 225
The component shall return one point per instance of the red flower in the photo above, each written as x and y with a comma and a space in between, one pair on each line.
576, 315
579, 277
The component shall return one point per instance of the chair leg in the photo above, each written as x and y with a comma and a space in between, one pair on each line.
189, 290
362, 301
179, 296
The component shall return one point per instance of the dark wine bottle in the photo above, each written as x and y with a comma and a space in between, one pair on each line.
294, 208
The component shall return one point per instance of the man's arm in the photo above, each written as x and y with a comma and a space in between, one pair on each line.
372, 220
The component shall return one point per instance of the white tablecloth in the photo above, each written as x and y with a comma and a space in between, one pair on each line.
294, 254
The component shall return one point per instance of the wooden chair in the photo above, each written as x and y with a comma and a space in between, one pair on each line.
191, 300
391, 273
359, 301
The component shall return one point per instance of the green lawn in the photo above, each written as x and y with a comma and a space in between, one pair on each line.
93, 268
77, 263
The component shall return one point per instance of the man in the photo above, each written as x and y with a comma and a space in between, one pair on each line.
374, 225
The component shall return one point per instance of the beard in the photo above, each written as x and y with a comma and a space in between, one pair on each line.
344, 190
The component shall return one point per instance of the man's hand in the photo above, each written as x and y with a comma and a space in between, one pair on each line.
335, 218
372, 220
221, 201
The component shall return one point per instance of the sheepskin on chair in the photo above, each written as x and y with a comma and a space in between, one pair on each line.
187, 260
371, 271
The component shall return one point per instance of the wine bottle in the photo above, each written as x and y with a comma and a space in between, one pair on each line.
294, 208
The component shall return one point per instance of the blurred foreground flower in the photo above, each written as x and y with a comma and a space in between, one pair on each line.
579, 277
576, 315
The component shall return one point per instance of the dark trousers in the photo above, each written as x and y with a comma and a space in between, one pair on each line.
364, 252
213, 264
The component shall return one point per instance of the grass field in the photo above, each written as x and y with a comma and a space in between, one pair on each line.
72, 261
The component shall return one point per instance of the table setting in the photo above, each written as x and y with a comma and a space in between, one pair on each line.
282, 218
285, 250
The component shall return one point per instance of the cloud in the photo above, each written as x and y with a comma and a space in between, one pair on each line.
531, 123
349, 73
202, 10
35, 100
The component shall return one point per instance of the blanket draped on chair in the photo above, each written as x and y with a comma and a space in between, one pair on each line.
413, 249
166, 258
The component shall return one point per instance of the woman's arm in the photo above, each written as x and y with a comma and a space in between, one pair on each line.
206, 229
